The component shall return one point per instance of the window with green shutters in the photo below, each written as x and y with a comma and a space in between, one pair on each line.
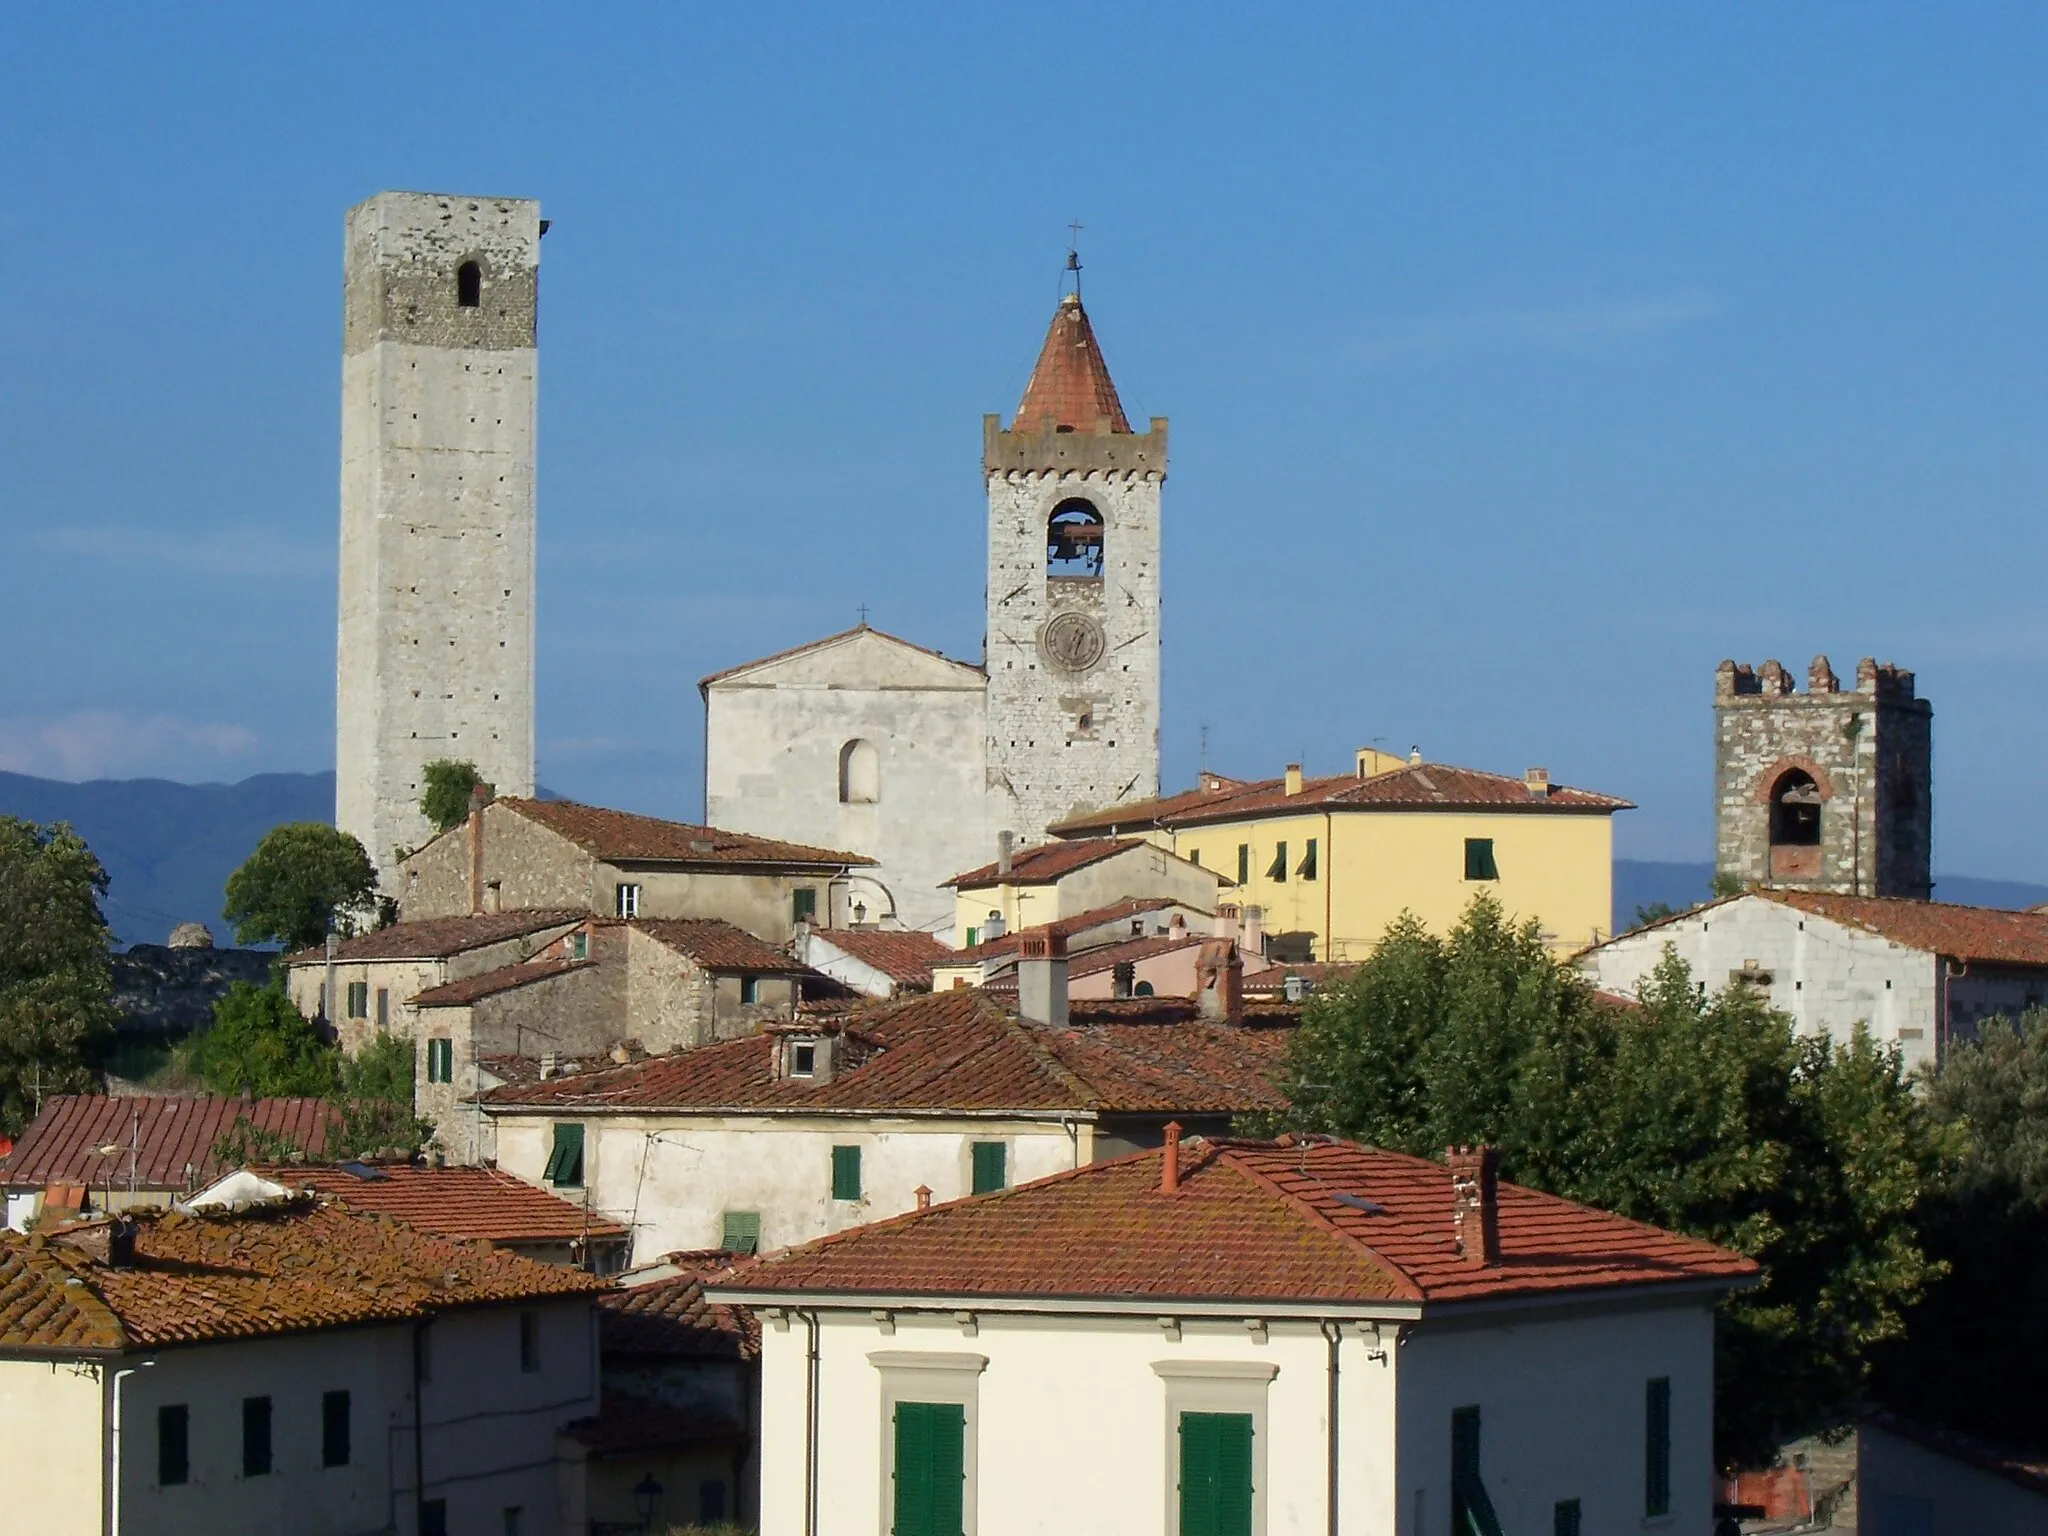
1307, 867
803, 904
1479, 863
440, 1061
991, 1166
1244, 863
1215, 1474
930, 1470
335, 1447
359, 999
1277, 870
565, 1161
1564, 1519
1471, 1507
740, 1232
846, 1173
1657, 1447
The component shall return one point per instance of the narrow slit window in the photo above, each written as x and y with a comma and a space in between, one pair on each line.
469, 285
255, 1437
1657, 1448
336, 1441
173, 1445
1244, 863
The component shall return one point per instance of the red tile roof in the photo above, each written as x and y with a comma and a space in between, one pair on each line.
939, 1053
704, 683
506, 978
1317, 973
1134, 815
439, 937
1044, 863
1108, 957
1411, 787
622, 837
717, 945
85, 1138
1987, 934
1066, 928
1070, 387
452, 1202
671, 1319
631, 1425
275, 1270
905, 958
1320, 1222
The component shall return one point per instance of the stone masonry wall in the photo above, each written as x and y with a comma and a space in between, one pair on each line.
1869, 749
1073, 663
434, 654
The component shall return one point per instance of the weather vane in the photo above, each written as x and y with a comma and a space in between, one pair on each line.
1074, 254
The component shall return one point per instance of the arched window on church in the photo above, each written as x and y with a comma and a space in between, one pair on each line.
860, 773
469, 285
1073, 541
1795, 826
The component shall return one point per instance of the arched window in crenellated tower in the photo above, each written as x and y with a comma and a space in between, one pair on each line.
1073, 541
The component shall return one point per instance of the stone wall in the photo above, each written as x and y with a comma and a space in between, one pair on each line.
158, 990
434, 654
1868, 749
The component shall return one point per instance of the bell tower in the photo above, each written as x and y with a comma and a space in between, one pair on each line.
1072, 645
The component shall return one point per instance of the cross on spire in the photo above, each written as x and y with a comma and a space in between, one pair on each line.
863, 615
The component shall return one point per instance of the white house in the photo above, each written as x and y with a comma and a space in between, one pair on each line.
1233, 1338
289, 1367
1917, 973
829, 1122
1913, 1480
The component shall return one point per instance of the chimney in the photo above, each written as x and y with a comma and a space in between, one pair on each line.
1294, 778
479, 797
924, 1197
1415, 756
1219, 982
121, 1243
1169, 1165
1122, 978
1537, 782
1177, 926
1042, 977
1475, 1203
1225, 924
550, 1064
1005, 841
1255, 931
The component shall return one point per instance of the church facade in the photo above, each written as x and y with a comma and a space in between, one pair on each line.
867, 742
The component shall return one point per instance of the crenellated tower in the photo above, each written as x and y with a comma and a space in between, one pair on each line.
1072, 645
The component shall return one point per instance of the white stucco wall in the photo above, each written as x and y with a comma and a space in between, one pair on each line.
51, 1447
1904, 1488
1826, 976
673, 1178
1072, 1430
773, 735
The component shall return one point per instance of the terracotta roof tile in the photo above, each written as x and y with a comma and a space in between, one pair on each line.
622, 837
906, 958
1065, 928
505, 978
1326, 1222
452, 1202
1108, 957
1135, 814
198, 1279
170, 1134
1070, 387
1044, 863
1987, 934
704, 683
671, 1319
944, 1052
718, 945
439, 937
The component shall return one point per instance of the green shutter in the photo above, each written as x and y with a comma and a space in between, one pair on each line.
1564, 1520
1215, 1474
1471, 1508
1244, 863
1307, 868
1657, 1448
1479, 863
803, 904
565, 1162
741, 1232
846, 1173
991, 1166
930, 1472
1277, 870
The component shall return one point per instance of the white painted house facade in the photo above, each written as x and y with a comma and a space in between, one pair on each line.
1231, 1338
1915, 973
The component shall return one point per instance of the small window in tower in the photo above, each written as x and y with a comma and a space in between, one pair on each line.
860, 773
1795, 810
469, 285
1073, 541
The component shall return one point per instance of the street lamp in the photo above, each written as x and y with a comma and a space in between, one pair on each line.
647, 1500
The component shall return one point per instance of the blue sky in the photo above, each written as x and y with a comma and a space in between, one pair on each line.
1521, 364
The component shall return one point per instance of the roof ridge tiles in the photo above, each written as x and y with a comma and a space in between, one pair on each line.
1243, 1166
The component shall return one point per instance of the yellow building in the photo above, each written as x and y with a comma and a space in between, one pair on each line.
1333, 861
1052, 881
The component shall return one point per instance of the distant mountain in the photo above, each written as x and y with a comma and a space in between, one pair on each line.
1641, 882
168, 848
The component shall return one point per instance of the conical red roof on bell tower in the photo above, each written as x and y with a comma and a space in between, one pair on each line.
1070, 389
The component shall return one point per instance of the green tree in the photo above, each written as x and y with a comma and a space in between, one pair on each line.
56, 988
1976, 1347
259, 1044
449, 785
377, 1098
303, 878
1702, 1114
1653, 912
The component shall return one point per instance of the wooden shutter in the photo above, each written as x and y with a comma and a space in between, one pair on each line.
1215, 1474
1307, 869
565, 1162
741, 1232
846, 1173
1277, 870
991, 1170
1244, 863
1564, 1520
1657, 1447
335, 1448
1479, 863
930, 1471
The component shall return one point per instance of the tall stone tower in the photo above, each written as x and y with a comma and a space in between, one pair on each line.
1073, 591
434, 656
1826, 790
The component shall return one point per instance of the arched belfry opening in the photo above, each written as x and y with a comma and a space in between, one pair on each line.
860, 773
1073, 541
469, 285
1795, 810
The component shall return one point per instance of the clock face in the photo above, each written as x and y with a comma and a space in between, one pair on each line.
1071, 641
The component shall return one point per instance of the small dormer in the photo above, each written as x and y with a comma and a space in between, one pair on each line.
806, 1052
